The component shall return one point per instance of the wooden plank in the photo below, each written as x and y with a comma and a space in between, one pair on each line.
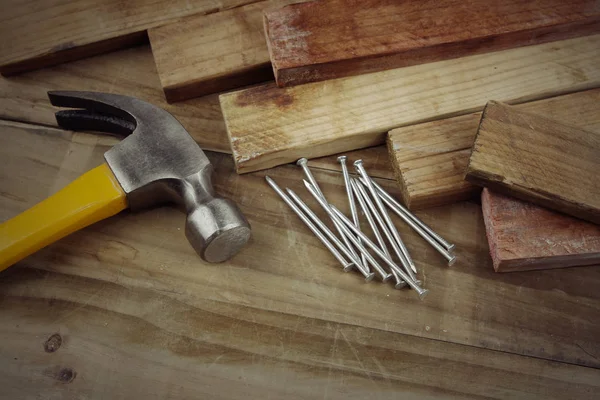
108, 274
269, 126
430, 159
537, 159
205, 54
41, 33
127, 341
524, 237
130, 72
323, 40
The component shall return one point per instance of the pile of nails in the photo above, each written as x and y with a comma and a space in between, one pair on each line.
351, 245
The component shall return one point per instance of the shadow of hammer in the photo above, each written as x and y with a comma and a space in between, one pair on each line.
157, 163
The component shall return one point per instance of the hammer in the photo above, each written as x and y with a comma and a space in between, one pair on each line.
158, 162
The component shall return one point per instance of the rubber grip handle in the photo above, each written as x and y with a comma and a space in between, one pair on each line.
92, 197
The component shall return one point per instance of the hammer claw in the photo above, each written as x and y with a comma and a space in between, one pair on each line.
84, 120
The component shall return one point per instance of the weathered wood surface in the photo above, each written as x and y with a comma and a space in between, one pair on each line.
130, 72
537, 159
523, 236
322, 40
139, 312
269, 126
205, 54
40, 33
430, 159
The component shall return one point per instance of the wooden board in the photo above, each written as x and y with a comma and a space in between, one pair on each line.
323, 40
205, 54
537, 159
136, 307
523, 236
130, 72
41, 33
430, 159
269, 126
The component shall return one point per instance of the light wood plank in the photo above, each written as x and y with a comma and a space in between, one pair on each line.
125, 341
130, 72
430, 159
537, 159
283, 276
205, 54
41, 33
323, 40
268, 126
524, 237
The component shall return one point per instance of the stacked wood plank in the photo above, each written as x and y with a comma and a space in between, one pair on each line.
430, 159
40, 33
205, 54
538, 159
523, 236
330, 39
269, 126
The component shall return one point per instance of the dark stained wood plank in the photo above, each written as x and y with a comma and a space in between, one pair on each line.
430, 159
284, 276
329, 39
523, 236
41, 33
269, 126
537, 159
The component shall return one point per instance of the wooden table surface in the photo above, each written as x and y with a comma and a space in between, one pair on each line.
125, 309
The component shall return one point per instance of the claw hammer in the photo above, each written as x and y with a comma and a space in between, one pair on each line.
158, 162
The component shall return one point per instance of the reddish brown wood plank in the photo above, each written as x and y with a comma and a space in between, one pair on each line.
524, 237
322, 40
537, 159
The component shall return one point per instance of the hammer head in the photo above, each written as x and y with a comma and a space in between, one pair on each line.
159, 162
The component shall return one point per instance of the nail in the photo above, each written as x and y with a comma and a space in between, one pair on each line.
298, 201
348, 226
303, 163
451, 258
395, 236
361, 201
313, 228
349, 193
400, 209
384, 227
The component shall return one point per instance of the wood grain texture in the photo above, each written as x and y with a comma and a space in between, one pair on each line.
537, 159
138, 310
430, 159
268, 126
523, 236
330, 39
41, 33
205, 54
130, 72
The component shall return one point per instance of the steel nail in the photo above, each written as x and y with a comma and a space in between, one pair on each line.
349, 193
303, 163
400, 209
367, 274
348, 226
385, 228
313, 228
451, 258
358, 164
361, 201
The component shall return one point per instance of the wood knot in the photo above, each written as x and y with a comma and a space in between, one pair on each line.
66, 375
53, 343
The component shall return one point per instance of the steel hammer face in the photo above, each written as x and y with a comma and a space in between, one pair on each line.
158, 162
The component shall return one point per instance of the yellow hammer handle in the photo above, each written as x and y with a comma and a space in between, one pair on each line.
90, 198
